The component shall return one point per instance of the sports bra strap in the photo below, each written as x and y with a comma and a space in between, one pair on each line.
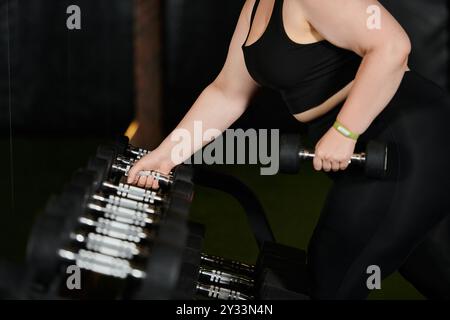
255, 7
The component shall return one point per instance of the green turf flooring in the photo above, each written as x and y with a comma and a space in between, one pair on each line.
42, 166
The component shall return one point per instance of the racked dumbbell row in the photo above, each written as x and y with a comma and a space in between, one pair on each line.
114, 230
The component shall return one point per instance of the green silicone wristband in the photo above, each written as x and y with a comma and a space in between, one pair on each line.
345, 131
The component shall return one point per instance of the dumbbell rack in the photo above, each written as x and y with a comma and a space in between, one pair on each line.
135, 243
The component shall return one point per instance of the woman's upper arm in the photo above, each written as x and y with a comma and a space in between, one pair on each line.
357, 25
234, 79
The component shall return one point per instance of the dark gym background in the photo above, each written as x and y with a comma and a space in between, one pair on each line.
63, 92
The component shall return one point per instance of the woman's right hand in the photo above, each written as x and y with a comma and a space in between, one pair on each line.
154, 161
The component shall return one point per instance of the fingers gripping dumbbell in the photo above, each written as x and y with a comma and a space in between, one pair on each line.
121, 163
135, 198
292, 154
179, 183
101, 170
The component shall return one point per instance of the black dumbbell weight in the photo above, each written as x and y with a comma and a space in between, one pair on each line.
50, 233
161, 274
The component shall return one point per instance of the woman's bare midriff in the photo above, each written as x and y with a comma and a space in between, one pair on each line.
325, 107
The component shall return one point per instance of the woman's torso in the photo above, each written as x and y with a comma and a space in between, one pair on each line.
284, 52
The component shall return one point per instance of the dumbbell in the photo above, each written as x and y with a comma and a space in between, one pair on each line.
95, 230
85, 180
212, 280
220, 277
212, 284
101, 170
122, 223
93, 210
292, 154
121, 165
229, 265
211, 275
181, 187
53, 232
178, 200
153, 279
196, 256
127, 224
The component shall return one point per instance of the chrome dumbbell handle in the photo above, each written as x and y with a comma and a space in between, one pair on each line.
123, 215
115, 229
229, 264
102, 264
126, 161
122, 169
126, 203
134, 193
219, 293
106, 245
222, 277
137, 151
358, 158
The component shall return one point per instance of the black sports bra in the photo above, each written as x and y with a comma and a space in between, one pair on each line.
306, 75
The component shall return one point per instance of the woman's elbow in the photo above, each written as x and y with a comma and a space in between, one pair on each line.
398, 50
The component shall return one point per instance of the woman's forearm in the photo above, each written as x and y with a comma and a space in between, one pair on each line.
213, 109
377, 81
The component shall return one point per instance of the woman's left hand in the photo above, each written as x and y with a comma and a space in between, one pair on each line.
333, 152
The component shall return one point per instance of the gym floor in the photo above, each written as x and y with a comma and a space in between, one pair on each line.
42, 167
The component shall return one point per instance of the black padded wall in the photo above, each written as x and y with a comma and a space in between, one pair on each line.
427, 23
68, 82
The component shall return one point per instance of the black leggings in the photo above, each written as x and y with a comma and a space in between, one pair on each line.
395, 223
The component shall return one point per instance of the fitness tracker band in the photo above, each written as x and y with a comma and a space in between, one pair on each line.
345, 131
